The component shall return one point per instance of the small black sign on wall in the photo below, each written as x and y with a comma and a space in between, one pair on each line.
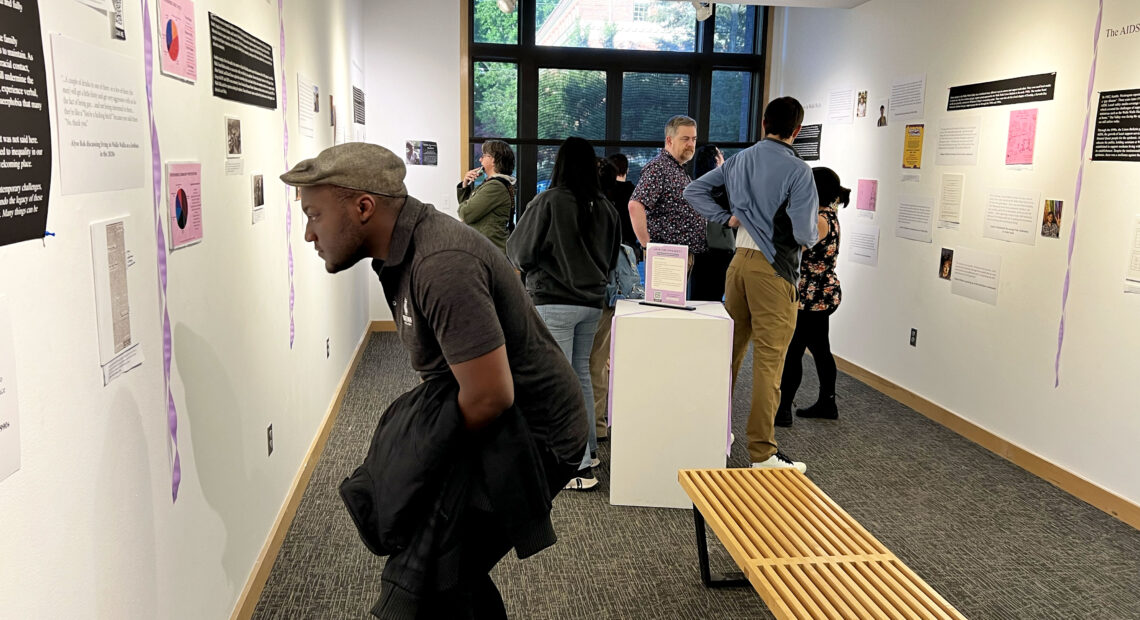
806, 144
1002, 92
1117, 135
242, 65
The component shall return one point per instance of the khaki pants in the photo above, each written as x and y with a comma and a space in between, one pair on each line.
600, 370
763, 309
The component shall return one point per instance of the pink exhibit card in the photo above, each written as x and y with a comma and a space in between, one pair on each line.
666, 272
184, 198
868, 192
177, 53
1022, 137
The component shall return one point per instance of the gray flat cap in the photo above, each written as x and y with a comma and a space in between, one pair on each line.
354, 165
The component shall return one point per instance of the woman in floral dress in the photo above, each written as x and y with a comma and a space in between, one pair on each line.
819, 297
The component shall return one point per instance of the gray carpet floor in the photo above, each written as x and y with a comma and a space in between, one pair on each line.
994, 540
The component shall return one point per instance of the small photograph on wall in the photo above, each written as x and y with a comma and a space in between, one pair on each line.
946, 264
861, 104
882, 110
233, 137
258, 191
412, 152
316, 99
1051, 219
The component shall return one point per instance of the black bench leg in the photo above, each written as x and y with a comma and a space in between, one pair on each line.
728, 580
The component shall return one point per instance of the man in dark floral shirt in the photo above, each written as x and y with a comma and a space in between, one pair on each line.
658, 207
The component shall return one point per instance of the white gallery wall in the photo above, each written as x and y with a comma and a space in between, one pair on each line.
414, 85
990, 364
89, 529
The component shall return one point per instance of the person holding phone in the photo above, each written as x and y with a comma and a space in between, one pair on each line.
489, 207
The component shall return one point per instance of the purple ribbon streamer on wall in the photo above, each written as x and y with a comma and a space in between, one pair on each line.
156, 177
288, 205
1077, 199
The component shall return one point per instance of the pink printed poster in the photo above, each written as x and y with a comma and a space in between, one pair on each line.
177, 53
1022, 137
868, 192
184, 198
666, 273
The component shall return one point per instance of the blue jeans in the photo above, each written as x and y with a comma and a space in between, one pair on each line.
573, 329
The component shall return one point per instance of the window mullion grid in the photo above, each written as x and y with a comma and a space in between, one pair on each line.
698, 65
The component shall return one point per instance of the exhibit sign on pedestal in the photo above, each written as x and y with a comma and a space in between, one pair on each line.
666, 273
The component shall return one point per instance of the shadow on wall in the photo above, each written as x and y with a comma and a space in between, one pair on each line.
214, 412
123, 531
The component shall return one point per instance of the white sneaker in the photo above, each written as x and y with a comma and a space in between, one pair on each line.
581, 484
779, 461
594, 462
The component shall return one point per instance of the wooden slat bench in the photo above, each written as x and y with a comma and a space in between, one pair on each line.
803, 553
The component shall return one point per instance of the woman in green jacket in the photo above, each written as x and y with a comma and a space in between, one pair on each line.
490, 207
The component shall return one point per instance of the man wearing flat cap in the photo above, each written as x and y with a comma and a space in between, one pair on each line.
460, 310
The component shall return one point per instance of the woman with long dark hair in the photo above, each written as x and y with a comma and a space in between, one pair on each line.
820, 295
566, 244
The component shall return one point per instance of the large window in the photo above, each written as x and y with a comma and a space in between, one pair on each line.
496, 100
616, 24
729, 106
649, 100
493, 25
613, 72
571, 102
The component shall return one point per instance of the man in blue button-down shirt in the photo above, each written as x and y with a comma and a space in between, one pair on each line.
772, 196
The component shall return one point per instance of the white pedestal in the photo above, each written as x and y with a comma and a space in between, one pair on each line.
670, 399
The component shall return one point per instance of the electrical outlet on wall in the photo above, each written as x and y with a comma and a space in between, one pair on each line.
269, 439
914, 337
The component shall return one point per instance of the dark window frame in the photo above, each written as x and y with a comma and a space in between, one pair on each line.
529, 58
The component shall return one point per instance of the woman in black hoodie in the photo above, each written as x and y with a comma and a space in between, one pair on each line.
566, 244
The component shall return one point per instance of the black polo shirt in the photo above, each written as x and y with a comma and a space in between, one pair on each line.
455, 297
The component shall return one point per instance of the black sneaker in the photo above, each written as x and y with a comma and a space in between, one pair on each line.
784, 416
823, 409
